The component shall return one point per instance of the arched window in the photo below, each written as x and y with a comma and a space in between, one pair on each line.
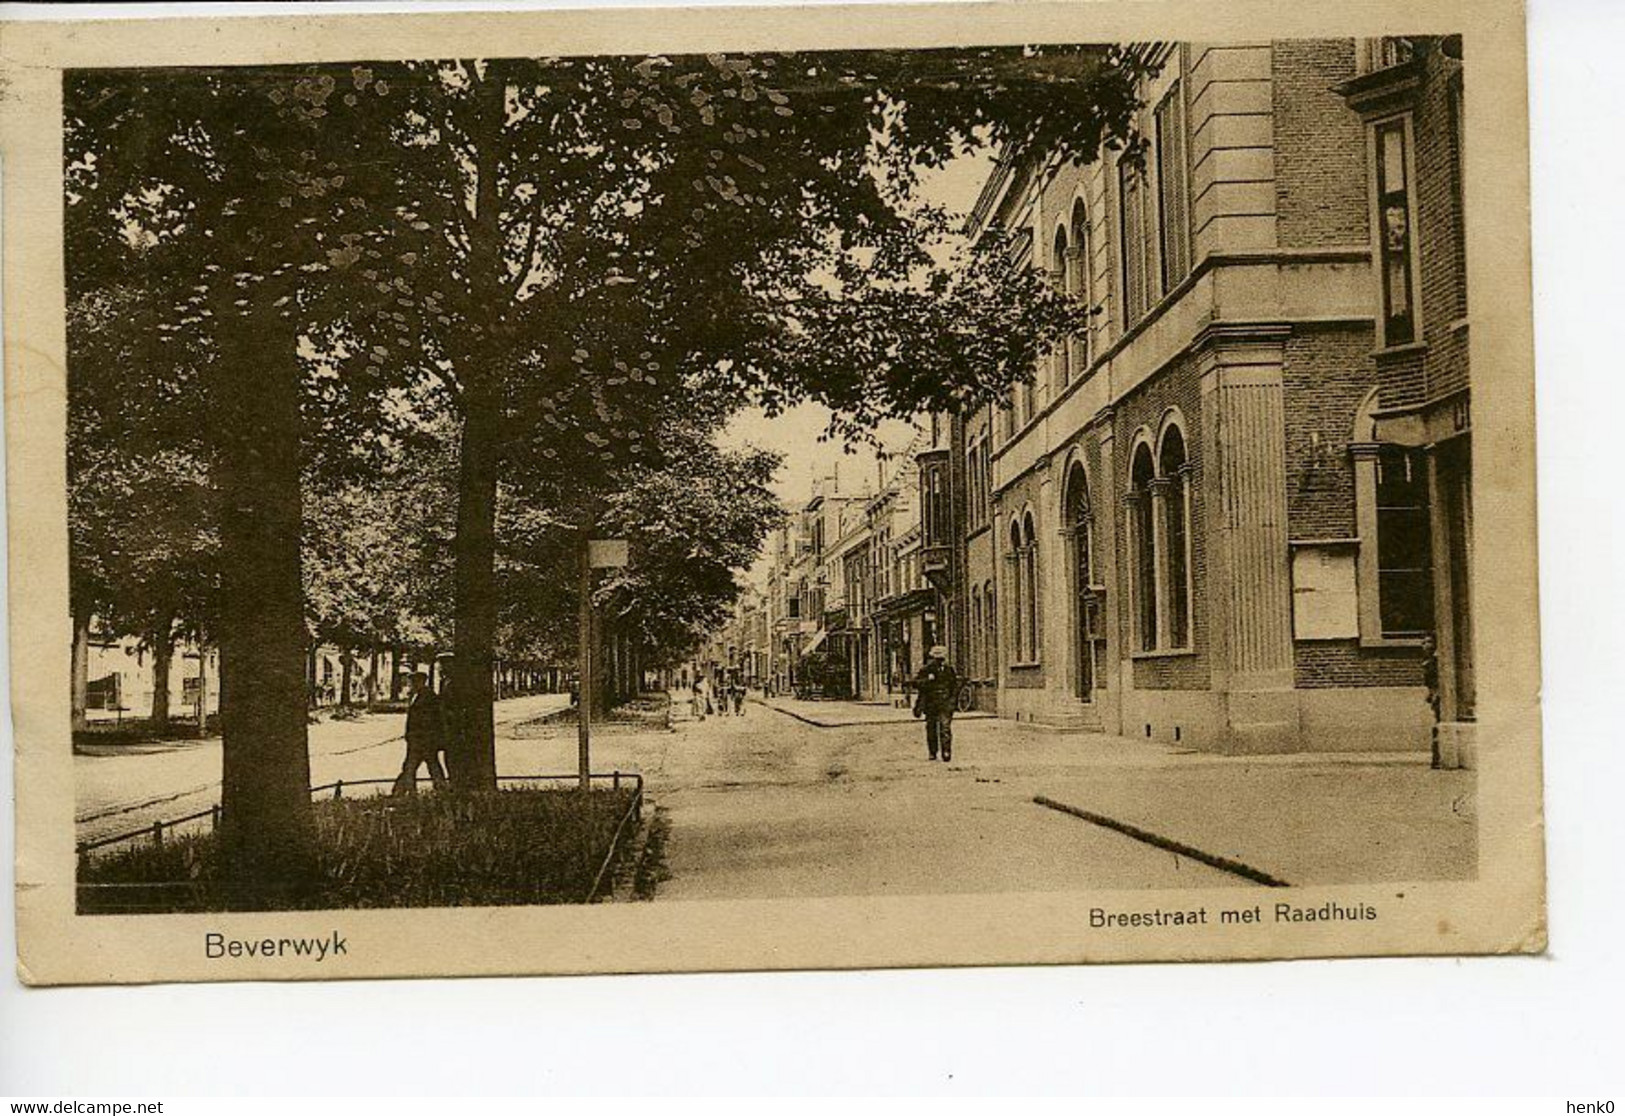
1173, 474
1061, 260
1018, 595
990, 644
1085, 623
1142, 531
1030, 583
1077, 284
1395, 584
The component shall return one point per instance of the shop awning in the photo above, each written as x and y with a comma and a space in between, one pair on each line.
817, 640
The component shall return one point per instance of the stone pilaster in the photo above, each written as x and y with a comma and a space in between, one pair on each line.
1107, 574
1245, 524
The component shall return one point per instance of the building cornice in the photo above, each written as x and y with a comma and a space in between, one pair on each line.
1384, 90
1213, 330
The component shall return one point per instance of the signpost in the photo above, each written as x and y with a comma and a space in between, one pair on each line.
597, 554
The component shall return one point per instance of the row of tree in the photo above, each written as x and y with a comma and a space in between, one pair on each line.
361, 351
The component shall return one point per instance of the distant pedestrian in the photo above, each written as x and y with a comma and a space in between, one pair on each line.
697, 700
936, 692
739, 698
425, 737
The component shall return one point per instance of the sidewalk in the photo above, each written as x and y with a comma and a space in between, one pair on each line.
1304, 818
849, 714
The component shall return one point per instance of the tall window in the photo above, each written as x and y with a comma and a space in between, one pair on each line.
1085, 603
978, 483
1175, 533
1396, 241
1077, 284
1143, 536
973, 488
1173, 222
975, 629
1030, 581
987, 480
1131, 230
990, 644
1018, 595
1063, 351
1404, 551
934, 519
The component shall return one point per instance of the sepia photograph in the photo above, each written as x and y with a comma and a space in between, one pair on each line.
639, 480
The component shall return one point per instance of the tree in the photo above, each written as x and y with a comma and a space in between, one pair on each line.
377, 552
143, 538
588, 244
691, 525
205, 195
560, 255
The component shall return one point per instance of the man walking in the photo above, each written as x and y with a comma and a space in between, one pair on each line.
936, 692
425, 737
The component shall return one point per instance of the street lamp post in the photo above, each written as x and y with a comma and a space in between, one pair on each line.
584, 671
595, 554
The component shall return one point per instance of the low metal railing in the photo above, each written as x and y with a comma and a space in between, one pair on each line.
161, 829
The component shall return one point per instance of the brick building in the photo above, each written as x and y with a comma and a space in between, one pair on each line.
1409, 99
1181, 530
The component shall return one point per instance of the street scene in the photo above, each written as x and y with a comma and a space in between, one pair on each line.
838, 798
649, 479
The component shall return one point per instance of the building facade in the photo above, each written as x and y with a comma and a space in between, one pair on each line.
1418, 422
1177, 531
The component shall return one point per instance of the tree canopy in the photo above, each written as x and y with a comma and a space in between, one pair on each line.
540, 284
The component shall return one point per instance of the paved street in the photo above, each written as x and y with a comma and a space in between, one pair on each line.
829, 802
770, 805
766, 805
124, 787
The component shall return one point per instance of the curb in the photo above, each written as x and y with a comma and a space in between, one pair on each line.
1222, 863
804, 719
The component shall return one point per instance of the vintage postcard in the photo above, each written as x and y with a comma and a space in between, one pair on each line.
651, 490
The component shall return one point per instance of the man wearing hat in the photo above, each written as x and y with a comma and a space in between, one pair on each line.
936, 691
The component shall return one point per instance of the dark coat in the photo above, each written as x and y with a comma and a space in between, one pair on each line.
426, 722
936, 689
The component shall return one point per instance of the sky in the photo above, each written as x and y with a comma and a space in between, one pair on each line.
795, 434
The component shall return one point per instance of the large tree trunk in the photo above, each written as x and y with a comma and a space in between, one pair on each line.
473, 755
265, 823
163, 654
81, 668
346, 676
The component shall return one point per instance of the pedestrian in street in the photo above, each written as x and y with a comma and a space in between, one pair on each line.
739, 697
936, 691
425, 737
698, 699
